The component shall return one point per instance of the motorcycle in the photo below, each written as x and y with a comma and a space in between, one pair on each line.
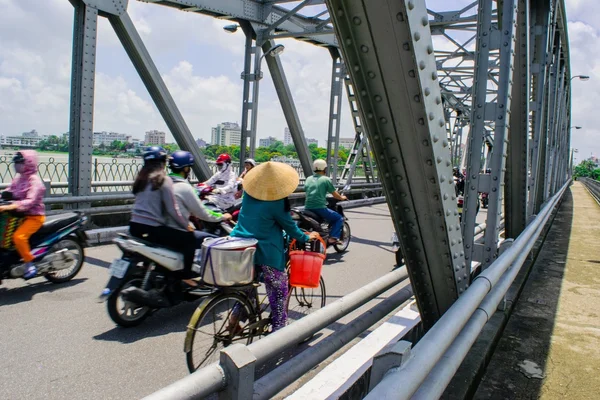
460, 203
216, 228
143, 280
484, 200
57, 247
311, 222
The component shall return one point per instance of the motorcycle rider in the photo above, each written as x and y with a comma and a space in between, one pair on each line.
27, 192
249, 163
155, 203
317, 187
224, 182
180, 163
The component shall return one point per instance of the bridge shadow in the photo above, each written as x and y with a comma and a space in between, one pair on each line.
522, 356
161, 322
22, 294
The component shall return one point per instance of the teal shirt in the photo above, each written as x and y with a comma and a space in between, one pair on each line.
316, 188
265, 221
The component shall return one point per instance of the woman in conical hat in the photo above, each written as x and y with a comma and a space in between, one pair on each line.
264, 215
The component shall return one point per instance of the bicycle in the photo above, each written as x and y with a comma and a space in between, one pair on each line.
218, 308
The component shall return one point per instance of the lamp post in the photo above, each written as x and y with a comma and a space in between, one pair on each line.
581, 77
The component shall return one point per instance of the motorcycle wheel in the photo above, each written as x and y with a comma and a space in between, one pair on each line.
129, 314
65, 275
346, 236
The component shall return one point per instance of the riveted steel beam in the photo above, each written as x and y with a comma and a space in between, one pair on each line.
518, 145
81, 124
142, 61
388, 50
289, 108
338, 72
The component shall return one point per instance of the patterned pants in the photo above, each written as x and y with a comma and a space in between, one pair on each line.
277, 286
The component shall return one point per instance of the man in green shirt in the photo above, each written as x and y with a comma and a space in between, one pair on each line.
317, 187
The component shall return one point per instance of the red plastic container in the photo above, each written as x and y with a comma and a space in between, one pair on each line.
305, 267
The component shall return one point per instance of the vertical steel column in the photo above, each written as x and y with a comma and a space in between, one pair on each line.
553, 118
142, 61
388, 51
502, 120
540, 12
83, 71
338, 71
248, 105
477, 131
289, 108
518, 144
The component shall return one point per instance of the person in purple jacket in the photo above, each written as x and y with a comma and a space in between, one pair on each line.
27, 193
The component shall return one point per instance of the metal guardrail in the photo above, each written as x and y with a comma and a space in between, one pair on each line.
437, 356
225, 375
593, 187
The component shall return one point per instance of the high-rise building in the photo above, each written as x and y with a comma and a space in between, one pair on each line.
201, 143
347, 143
267, 142
226, 134
107, 138
287, 137
155, 138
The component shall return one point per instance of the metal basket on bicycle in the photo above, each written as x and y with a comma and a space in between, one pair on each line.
227, 261
306, 263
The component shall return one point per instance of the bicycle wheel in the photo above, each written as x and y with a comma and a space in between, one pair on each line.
211, 328
302, 301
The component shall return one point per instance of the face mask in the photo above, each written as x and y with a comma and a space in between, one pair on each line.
222, 168
19, 168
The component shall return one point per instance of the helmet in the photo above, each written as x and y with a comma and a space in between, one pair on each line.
250, 161
155, 153
319, 165
181, 159
224, 159
18, 158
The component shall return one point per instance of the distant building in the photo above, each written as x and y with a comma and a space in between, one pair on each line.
312, 141
287, 137
287, 160
26, 139
347, 143
226, 134
267, 142
155, 138
107, 138
201, 143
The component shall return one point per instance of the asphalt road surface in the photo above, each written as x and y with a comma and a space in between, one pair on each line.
57, 341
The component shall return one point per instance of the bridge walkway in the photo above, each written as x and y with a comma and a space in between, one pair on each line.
550, 347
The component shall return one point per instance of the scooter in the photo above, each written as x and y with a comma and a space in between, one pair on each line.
57, 247
311, 222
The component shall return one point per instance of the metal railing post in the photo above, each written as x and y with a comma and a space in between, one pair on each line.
239, 364
391, 356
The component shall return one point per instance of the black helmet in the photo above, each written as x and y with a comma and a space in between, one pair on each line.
181, 159
155, 153
18, 158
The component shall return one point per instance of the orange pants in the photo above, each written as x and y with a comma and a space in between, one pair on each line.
30, 225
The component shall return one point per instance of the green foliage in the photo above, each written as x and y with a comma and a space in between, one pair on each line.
587, 169
264, 154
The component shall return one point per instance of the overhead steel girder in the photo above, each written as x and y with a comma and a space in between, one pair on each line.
81, 124
301, 27
388, 50
142, 61
515, 206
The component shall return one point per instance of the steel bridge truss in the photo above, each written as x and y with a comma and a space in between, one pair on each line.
427, 89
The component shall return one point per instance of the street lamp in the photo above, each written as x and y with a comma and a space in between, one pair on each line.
231, 28
576, 127
581, 77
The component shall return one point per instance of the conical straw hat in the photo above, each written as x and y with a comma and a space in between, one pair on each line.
271, 181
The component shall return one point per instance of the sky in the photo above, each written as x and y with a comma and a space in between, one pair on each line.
201, 65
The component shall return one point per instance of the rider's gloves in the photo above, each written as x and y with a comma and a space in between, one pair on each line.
216, 191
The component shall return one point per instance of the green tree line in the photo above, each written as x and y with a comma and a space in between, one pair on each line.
587, 169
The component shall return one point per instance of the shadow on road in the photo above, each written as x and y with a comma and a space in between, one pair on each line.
381, 245
25, 293
97, 262
162, 322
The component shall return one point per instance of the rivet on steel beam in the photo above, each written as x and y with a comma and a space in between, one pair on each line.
394, 160
411, 73
348, 41
422, 65
417, 98
371, 74
448, 163
429, 49
383, 120
364, 49
445, 143
438, 100
432, 180
399, 177
363, 93
431, 116
370, 115
411, 5
421, 121
425, 143
442, 178
434, 75
406, 46
429, 162
445, 196
357, 68
424, 21
439, 159
441, 123
389, 141
377, 98
356, 21
340, 11
400, 17
427, 91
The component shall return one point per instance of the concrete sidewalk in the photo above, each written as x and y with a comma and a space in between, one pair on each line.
550, 348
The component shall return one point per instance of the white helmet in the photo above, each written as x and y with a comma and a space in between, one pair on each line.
319, 165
